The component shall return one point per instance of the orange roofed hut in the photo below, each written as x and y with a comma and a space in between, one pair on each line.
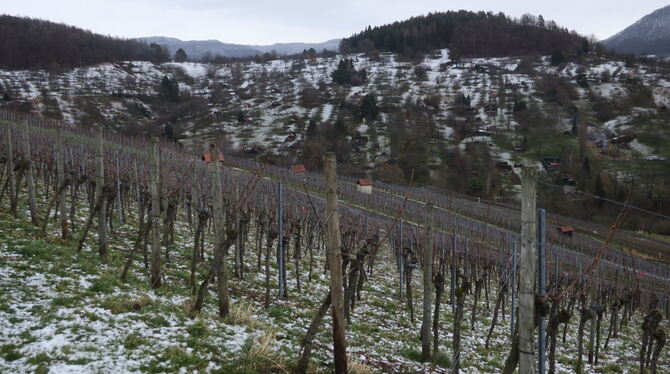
207, 157
566, 230
298, 168
364, 185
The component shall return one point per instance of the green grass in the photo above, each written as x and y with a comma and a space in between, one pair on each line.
198, 329
10, 352
104, 284
173, 358
134, 340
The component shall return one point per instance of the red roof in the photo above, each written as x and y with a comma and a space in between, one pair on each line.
364, 182
565, 229
207, 157
298, 168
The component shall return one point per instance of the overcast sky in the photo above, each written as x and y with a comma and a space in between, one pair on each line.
272, 21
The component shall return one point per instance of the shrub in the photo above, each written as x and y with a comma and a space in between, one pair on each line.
310, 97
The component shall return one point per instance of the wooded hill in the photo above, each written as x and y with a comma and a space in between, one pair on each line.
471, 34
32, 43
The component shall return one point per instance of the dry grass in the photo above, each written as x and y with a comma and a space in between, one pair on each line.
355, 367
242, 313
117, 304
259, 355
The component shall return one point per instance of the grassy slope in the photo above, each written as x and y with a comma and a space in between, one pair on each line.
66, 312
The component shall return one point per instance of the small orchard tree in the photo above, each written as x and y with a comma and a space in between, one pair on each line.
346, 73
180, 55
558, 57
169, 89
368, 108
157, 53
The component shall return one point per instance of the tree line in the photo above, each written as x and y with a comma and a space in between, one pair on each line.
468, 34
33, 43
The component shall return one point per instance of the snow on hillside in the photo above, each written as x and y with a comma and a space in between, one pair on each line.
193, 69
268, 95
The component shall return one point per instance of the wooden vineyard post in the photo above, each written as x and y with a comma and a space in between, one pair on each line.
99, 184
60, 166
335, 264
454, 278
281, 261
238, 246
401, 263
427, 286
220, 266
155, 215
10, 167
513, 292
527, 271
119, 206
541, 286
137, 180
30, 176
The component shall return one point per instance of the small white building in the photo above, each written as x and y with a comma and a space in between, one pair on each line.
364, 185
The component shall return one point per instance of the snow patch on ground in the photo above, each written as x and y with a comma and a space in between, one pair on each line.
641, 148
194, 69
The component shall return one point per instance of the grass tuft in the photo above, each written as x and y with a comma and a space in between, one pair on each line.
355, 367
241, 313
104, 284
119, 304
10, 352
259, 356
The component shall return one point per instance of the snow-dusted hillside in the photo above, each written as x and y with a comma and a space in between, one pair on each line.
260, 106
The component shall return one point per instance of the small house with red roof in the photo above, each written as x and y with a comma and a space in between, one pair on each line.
207, 157
364, 185
566, 231
298, 168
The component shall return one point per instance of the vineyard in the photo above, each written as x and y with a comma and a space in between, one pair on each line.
122, 254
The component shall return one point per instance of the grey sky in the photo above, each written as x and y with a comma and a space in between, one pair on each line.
267, 21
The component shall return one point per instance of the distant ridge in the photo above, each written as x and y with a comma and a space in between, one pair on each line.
197, 49
648, 36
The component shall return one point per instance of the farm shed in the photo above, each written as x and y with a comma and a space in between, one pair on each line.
207, 157
566, 230
364, 185
298, 168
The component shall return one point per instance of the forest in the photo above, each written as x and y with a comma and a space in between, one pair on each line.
468, 34
28, 43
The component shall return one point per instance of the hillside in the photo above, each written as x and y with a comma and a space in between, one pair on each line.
31, 43
469, 34
648, 36
465, 126
198, 49
293, 48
